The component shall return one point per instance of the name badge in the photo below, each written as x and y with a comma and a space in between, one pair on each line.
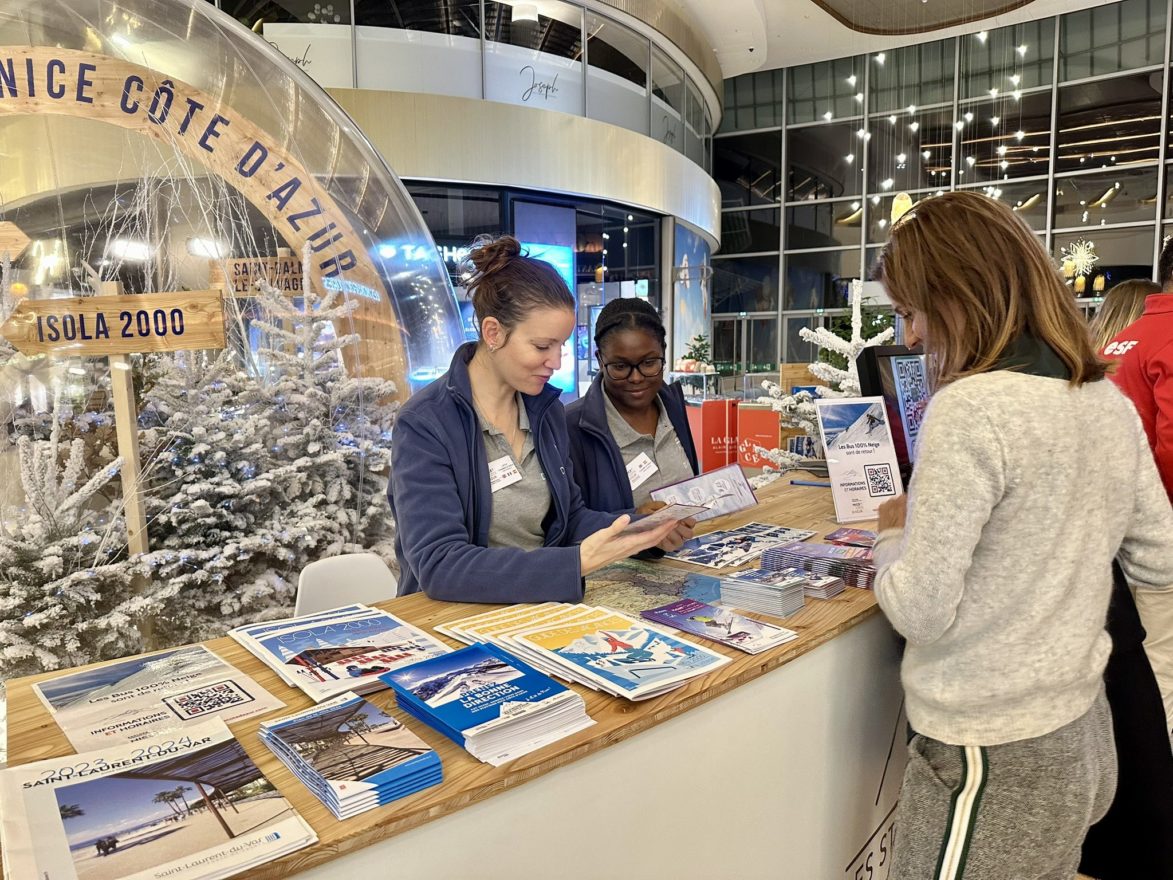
640, 469
503, 472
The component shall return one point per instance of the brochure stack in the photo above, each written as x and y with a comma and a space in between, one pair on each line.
852, 537
598, 648
766, 591
852, 564
721, 625
352, 755
730, 547
191, 805
343, 649
486, 700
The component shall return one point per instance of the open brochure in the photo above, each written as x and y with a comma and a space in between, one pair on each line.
729, 547
141, 697
671, 513
721, 625
338, 651
190, 807
722, 491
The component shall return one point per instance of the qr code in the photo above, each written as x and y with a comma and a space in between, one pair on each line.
880, 480
208, 699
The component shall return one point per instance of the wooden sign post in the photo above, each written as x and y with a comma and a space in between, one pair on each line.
115, 326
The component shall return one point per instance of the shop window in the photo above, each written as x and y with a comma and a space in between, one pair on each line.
533, 54
668, 99
750, 232
824, 224
820, 279
827, 90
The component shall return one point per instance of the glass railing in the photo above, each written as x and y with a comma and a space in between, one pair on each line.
553, 55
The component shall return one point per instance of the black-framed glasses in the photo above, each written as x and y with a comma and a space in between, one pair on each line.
649, 368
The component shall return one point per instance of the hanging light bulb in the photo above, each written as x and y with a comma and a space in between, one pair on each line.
981, 35
1020, 134
1015, 79
892, 120
851, 80
913, 126
994, 120
1022, 50
849, 158
880, 57
827, 116
968, 116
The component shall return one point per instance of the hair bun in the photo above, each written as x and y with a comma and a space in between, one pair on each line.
489, 255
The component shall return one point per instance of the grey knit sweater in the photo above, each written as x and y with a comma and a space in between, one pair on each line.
1024, 490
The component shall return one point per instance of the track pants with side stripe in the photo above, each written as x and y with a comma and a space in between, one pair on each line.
1017, 811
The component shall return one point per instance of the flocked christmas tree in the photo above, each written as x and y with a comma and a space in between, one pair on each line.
65, 594
798, 410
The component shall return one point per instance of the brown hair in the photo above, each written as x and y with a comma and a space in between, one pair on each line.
508, 285
981, 279
1122, 305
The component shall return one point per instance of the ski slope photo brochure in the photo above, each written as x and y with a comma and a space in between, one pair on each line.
338, 651
352, 755
861, 458
729, 547
183, 807
130, 700
489, 702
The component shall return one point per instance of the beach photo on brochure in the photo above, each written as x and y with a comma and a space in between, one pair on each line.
193, 807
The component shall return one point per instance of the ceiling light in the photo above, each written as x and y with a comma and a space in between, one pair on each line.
861, 133
901, 158
1005, 164
827, 116
1015, 79
994, 120
882, 223
968, 116
875, 200
911, 109
1002, 151
1022, 49
849, 158
1017, 95
970, 160
859, 97
1020, 134
527, 12
926, 154
855, 206
994, 92
851, 80
892, 119
880, 57
959, 124
887, 184
981, 35
913, 126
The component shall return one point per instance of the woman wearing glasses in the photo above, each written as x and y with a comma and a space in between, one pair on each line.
629, 433
485, 505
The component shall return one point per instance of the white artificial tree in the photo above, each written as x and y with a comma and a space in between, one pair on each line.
798, 410
65, 580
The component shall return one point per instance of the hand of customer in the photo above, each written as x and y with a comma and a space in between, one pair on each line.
610, 544
892, 513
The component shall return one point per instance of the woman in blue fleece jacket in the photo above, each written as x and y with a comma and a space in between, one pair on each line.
629, 414
485, 504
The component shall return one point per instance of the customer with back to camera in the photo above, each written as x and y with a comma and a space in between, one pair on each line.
629, 420
987, 566
1136, 837
485, 503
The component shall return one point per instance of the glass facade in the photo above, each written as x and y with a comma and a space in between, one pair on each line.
1059, 118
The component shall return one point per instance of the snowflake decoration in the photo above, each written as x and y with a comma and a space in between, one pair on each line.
1082, 257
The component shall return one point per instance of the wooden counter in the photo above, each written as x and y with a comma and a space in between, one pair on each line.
32, 735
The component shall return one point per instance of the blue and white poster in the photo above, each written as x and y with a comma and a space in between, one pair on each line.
861, 458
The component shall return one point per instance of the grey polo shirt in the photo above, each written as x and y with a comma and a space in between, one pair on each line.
664, 449
519, 508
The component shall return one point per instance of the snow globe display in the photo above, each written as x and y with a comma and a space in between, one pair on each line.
214, 293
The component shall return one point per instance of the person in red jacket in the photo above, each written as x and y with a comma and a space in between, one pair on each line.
1144, 372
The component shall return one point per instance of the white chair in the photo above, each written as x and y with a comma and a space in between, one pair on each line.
341, 580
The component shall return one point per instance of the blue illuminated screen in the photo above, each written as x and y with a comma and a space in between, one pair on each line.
562, 259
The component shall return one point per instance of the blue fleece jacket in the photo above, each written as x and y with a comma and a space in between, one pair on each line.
442, 502
598, 463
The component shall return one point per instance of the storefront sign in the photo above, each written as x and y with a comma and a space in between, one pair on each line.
240, 275
44, 79
103, 325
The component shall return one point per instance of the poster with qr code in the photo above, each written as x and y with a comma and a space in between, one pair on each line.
208, 699
861, 458
140, 697
912, 393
